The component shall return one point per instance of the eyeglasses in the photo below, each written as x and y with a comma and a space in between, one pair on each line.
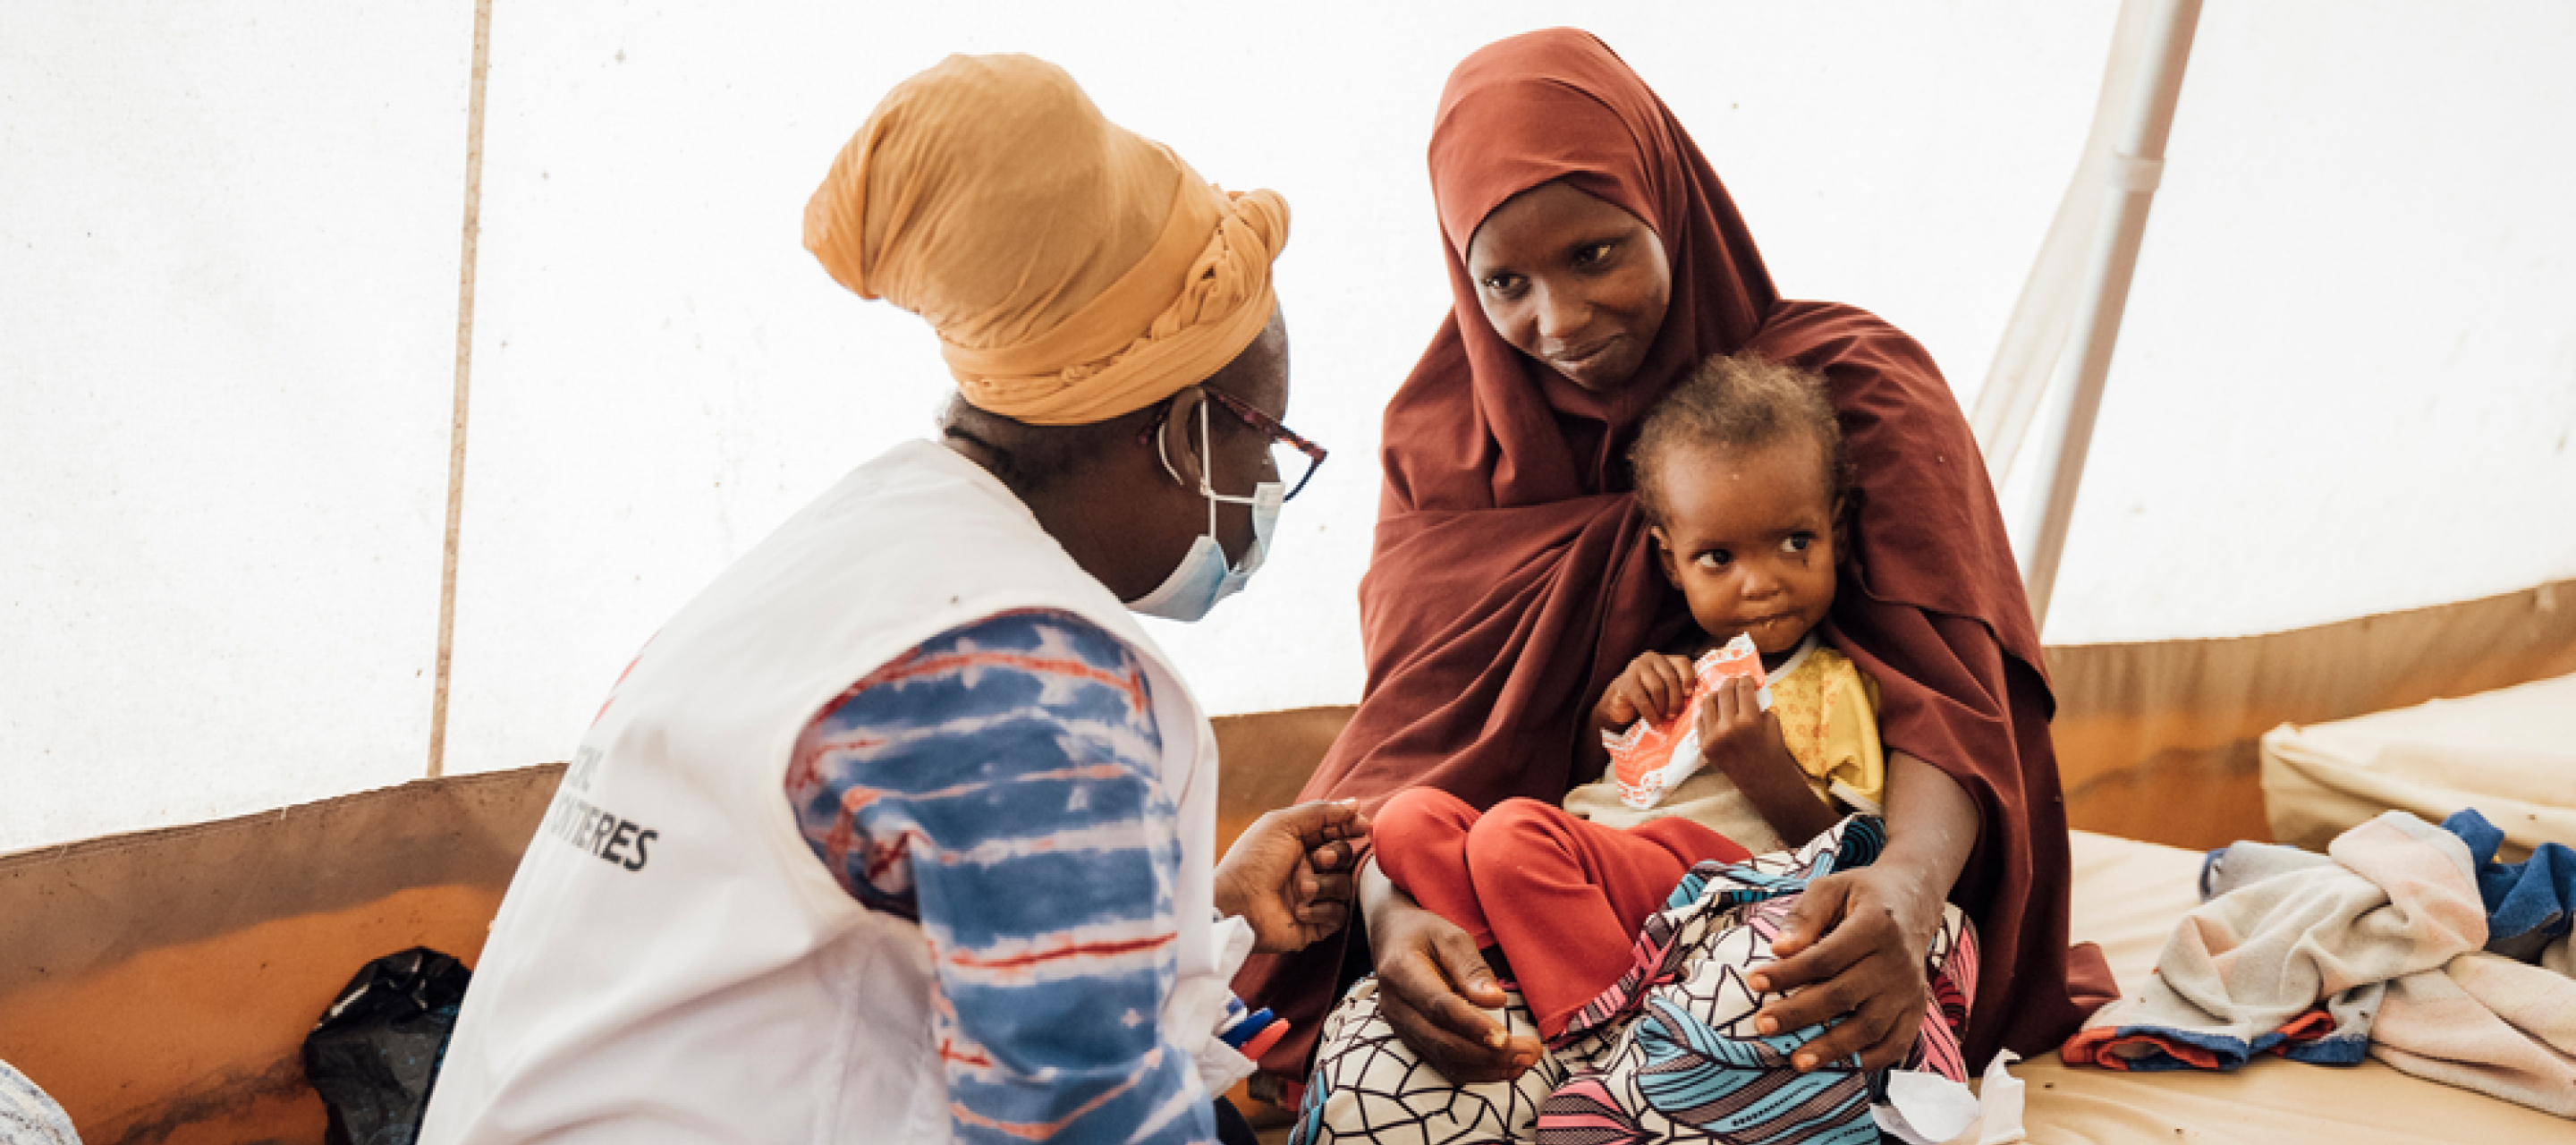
1288, 451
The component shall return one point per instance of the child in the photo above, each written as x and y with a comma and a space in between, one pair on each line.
1741, 478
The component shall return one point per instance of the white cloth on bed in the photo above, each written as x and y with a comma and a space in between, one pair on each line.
2384, 931
2243, 969
2488, 1023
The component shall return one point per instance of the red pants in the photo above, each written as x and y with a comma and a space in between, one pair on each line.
1561, 895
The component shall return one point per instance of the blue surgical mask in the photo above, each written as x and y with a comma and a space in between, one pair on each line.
1202, 578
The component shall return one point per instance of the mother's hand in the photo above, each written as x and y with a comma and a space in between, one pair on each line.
1435, 989
1853, 948
1855, 943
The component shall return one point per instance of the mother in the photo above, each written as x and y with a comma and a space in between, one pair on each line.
1594, 258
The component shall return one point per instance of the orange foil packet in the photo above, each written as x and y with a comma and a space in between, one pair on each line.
1650, 759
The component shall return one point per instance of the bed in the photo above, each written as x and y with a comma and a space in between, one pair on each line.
2127, 897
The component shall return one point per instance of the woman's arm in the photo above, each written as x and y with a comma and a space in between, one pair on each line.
1435, 989
1855, 943
1010, 803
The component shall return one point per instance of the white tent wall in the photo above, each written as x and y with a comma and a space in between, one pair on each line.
2346, 382
228, 237
657, 167
229, 421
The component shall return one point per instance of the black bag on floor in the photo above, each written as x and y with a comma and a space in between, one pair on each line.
375, 1053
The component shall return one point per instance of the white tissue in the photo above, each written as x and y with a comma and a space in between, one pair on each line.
1929, 1109
1233, 943
1197, 1002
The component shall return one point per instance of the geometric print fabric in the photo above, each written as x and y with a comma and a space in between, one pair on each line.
1666, 1054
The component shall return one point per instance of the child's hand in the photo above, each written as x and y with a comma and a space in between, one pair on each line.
1736, 735
1654, 687
1740, 739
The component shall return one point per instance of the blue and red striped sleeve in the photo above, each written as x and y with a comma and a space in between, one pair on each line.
998, 784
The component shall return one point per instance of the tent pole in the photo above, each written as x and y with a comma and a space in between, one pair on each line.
2033, 346
2137, 164
464, 372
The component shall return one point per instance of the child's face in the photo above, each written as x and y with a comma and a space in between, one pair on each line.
1749, 539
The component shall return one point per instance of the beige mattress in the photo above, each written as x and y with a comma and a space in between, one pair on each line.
2510, 753
2128, 896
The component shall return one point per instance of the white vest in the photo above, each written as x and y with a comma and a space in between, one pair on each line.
672, 963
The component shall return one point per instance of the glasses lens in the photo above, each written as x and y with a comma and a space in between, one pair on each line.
1292, 465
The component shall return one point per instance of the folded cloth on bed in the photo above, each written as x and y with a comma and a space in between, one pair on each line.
2501, 1021
2245, 972
2531, 905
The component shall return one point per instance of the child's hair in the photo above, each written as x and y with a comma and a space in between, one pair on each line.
1740, 401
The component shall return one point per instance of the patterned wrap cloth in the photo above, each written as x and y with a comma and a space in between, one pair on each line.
1669, 1053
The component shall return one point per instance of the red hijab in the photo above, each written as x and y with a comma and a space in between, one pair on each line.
1512, 578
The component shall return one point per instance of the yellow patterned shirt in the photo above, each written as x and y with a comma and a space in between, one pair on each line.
1828, 711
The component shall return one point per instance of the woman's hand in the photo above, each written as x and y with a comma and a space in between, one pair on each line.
1854, 948
1435, 989
1655, 686
1289, 873
1855, 943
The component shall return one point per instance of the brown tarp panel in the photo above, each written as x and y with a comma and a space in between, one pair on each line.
2155, 741
2160, 741
1267, 757
160, 984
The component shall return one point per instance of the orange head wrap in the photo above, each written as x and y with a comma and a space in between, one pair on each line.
1073, 270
